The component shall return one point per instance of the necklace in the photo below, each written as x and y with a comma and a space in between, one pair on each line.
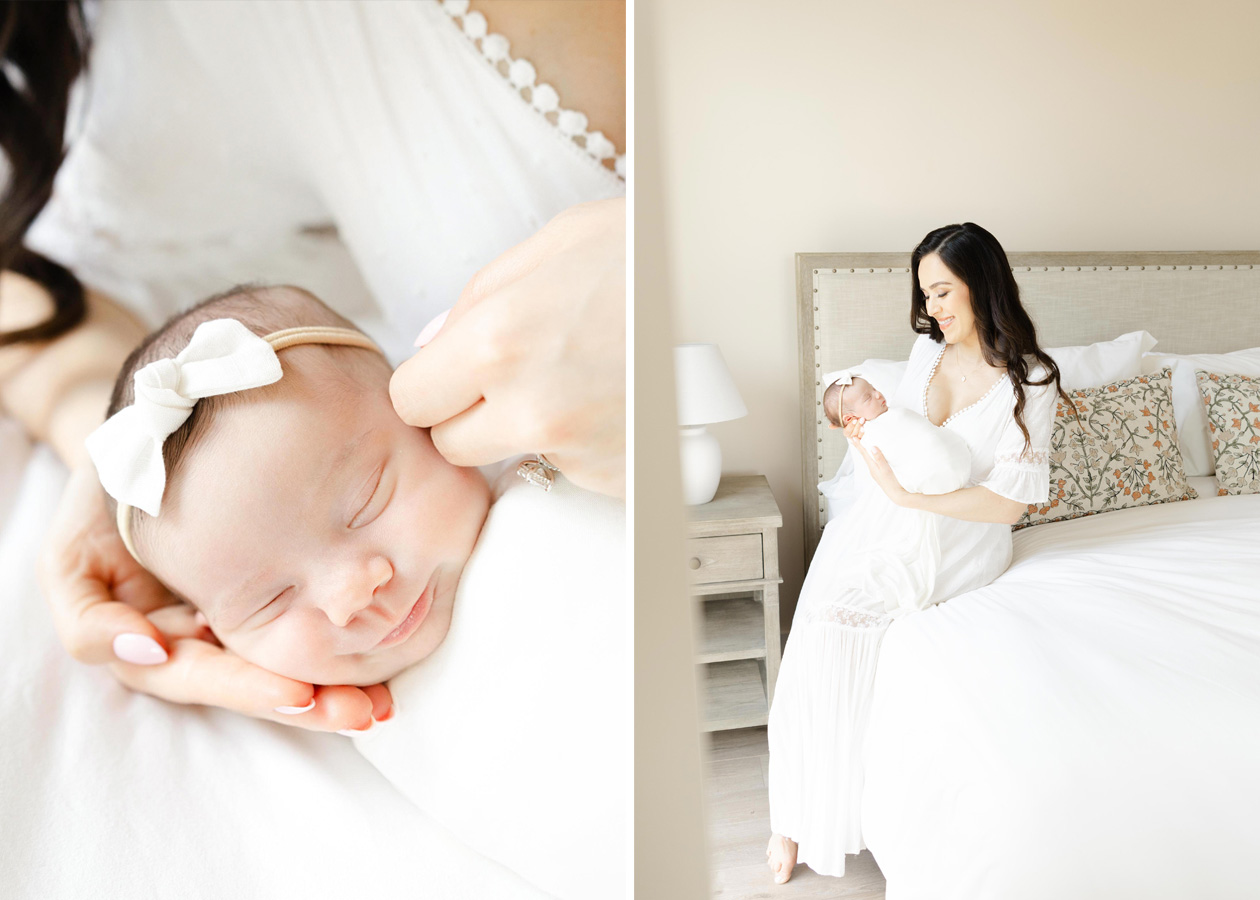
974, 368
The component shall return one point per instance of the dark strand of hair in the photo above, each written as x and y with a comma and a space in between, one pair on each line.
44, 47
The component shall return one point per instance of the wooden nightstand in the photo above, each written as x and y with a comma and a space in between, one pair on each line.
733, 562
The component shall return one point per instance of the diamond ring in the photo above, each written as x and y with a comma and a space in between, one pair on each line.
538, 471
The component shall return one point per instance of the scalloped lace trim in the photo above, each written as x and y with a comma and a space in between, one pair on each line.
1031, 458
521, 75
927, 384
844, 615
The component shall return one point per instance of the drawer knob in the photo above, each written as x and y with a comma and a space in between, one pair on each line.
694, 562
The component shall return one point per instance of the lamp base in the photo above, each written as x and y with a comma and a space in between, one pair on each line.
701, 464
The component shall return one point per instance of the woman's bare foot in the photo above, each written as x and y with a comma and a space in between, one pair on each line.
782, 856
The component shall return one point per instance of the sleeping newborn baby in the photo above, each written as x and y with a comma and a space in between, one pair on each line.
926, 459
261, 473
320, 536
895, 552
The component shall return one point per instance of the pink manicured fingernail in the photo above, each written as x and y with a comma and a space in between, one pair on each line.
295, 710
139, 649
350, 732
429, 332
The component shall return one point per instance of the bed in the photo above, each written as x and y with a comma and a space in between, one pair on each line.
1088, 724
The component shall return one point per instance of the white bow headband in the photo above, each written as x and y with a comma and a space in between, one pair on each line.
844, 378
223, 357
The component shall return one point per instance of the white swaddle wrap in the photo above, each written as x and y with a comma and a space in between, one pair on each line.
897, 550
515, 733
926, 459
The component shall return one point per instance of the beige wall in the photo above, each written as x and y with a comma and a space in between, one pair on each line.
828, 125
671, 856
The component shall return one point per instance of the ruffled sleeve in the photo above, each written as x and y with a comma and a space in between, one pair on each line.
1026, 478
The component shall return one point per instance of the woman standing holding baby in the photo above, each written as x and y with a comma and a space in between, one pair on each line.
978, 371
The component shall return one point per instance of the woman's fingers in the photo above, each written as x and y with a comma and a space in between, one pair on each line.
179, 620
339, 707
199, 672
97, 593
474, 437
204, 673
99, 630
382, 701
532, 358
444, 377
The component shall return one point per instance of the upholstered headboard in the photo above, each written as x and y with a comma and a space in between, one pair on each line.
856, 306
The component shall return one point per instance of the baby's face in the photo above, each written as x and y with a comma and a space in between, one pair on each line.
861, 401
320, 535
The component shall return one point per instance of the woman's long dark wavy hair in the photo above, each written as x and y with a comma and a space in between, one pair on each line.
44, 46
1007, 335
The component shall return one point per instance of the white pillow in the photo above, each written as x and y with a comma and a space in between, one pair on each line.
1193, 433
1101, 363
883, 374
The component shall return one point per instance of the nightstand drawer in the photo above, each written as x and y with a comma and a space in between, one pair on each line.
735, 557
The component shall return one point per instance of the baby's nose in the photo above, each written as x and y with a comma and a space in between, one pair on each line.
356, 590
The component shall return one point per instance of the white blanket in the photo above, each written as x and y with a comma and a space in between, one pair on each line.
1088, 725
515, 733
109, 794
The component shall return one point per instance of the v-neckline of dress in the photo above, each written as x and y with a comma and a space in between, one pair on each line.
940, 354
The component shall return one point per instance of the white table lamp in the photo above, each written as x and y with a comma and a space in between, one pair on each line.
706, 394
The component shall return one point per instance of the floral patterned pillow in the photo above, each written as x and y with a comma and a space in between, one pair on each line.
1233, 411
1121, 453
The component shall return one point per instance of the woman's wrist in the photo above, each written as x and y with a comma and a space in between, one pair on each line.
77, 414
908, 500
59, 391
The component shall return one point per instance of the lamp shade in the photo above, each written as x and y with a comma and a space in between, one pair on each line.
706, 391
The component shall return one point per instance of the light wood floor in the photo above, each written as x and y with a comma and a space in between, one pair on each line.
739, 828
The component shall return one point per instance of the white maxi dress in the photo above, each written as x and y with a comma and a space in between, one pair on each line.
822, 697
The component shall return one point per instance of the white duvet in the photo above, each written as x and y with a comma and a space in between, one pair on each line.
1088, 725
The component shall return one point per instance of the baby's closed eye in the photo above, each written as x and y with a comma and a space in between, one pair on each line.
378, 498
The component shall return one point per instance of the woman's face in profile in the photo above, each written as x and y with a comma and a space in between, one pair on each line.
947, 298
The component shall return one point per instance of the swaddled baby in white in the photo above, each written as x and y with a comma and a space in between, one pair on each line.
895, 551
926, 459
